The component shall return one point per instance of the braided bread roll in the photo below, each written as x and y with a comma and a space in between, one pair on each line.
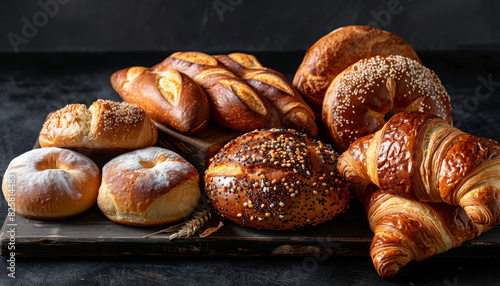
294, 113
407, 230
421, 157
233, 104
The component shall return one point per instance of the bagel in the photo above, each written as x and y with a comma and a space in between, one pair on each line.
148, 187
336, 51
51, 183
364, 96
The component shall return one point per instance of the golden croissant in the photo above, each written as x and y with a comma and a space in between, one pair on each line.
407, 230
421, 157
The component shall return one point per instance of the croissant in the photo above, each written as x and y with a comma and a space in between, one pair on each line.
421, 157
407, 230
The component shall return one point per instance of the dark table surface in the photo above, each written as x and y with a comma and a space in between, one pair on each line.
32, 85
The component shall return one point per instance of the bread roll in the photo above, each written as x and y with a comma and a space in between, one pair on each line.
147, 187
365, 95
336, 51
294, 113
105, 126
233, 104
276, 179
171, 98
51, 183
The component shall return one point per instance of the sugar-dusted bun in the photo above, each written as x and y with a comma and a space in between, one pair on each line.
147, 187
336, 51
364, 96
276, 179
105, 126
51, 183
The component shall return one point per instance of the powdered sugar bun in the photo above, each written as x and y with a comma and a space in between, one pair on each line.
150, 186
364, 96
51, 183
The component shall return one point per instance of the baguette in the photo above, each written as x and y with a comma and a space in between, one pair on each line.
233, 104
294, 113
171, 98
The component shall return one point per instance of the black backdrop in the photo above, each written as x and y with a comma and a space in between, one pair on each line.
223, 25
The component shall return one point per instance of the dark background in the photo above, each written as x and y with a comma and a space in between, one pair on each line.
221, 25
68, 56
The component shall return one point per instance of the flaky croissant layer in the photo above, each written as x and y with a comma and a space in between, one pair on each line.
421, 157
407, 230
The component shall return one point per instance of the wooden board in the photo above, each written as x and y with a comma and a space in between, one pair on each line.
92, 234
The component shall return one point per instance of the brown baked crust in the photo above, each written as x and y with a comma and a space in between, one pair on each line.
170, 98
294, 113
420, 157
105, 125
233, 104
406, 230
51, 183
333, 53
147, 187
276, 179
365, 95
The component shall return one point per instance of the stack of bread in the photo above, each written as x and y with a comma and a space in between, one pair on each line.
142, 186
426, 186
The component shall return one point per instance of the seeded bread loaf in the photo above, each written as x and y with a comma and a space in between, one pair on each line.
276, 179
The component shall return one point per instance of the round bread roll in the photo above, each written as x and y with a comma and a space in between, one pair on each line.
51, 183
364, 96
276, 179
107, 126
148, 187
336, 51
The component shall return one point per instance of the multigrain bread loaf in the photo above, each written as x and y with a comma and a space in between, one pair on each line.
294, 113
169, 97
51, 183
105, 126
147, 187
364, 96
333, 53
276, 179
233, 103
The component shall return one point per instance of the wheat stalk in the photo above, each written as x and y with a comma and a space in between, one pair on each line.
188, 228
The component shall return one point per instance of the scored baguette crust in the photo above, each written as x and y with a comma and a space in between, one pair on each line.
233, 104
170, 97
294, 113
276, 179
333, 53
420, 157
366, 94
105, 125
147, 187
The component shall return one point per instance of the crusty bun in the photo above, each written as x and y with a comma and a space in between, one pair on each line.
51, 183
105, 126
336, 51
171, 98
365, 95
147, 187
276, 179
